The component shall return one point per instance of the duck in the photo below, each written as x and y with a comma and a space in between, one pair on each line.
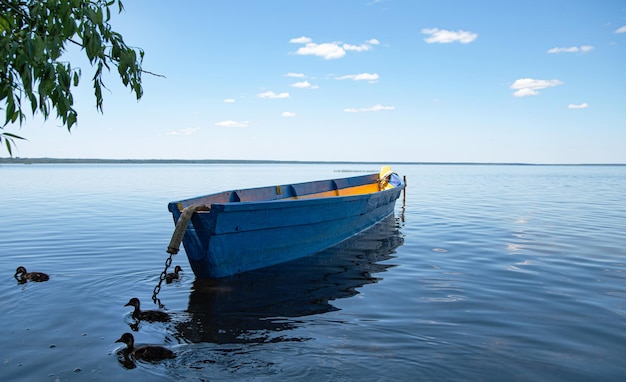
173, 276
22, 275
147, 315
149, 353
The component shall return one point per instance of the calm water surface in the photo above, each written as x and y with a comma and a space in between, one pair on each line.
487, 273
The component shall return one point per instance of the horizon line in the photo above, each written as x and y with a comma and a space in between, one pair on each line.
44, 160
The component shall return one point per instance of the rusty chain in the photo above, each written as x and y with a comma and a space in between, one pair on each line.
162, 277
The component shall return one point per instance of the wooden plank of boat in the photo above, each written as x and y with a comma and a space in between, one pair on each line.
240, 230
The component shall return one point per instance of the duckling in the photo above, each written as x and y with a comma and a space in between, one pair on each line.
149, 353
147, 315
173, 276
21, 275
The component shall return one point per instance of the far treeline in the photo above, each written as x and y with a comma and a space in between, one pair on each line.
17, 160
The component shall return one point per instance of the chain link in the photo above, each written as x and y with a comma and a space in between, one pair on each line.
162, 277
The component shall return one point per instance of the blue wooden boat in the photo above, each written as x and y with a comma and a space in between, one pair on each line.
240, 230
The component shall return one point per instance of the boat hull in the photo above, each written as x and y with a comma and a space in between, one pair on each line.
235, 237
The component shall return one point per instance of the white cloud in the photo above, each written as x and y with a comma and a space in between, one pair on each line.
357, 48
271, 94
583, 105
445, 36
288, 114
525, 92
304, 85
572, 49
231, 123
295, 75
229, 100
377, 107
528, 87
359, 77
621, 29
300, 40
329, 50
187, 131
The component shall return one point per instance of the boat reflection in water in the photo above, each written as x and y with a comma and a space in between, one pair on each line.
254, 306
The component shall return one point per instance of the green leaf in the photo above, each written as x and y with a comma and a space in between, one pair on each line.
71, 119
5, 25
10, 109
33, 102
13, 136
7, 142
99, 16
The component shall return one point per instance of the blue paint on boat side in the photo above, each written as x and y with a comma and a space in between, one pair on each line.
254, 228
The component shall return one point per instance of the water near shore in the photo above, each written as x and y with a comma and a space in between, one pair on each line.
487, 273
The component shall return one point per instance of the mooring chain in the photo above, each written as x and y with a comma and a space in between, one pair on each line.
157, 288
177, 238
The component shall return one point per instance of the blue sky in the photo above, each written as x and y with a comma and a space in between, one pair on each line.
359, 80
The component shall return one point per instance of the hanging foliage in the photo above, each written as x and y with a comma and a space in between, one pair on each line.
34, 35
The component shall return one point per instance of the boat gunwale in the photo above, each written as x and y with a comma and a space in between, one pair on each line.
370, 179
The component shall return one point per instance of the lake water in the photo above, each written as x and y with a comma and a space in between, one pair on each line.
488, 273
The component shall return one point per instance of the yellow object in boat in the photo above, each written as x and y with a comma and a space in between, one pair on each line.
383, 176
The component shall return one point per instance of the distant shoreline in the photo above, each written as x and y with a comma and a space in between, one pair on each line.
244, 161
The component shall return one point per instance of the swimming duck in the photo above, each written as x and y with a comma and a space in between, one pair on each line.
173, 276
150, 353
147, 315
22, 275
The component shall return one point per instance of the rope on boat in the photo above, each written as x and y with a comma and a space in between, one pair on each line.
181, 226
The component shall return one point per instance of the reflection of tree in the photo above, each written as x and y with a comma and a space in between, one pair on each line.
254, 306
